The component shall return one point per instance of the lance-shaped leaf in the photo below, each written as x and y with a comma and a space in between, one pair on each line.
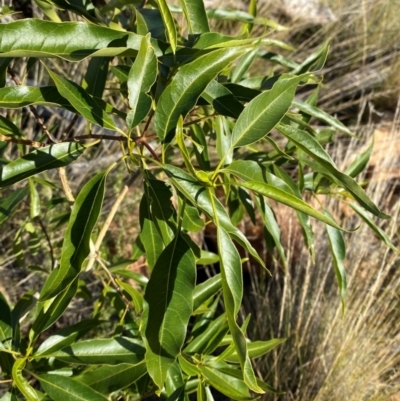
23, 385
270, 223
222, 99
191, 80
105, 351
107, 379
16, 97
84, 215
65, 337
232, 289
168, 307
54, 156
226, 384
360, 162
73, 41
63, 388
257, 349
206, 290
196, 16
142, 76
83, 102
5, 321
150, 236
338, 250
8, 128
169, 23
377, 230
198, 195
265, 111
48, 312
312, 148
95, 78
322, 115
288, 199
9, 204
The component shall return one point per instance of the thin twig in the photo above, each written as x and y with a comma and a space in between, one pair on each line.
147, 123
33, 110
116, 286
106, 226
65, 185
43, 227
21, 141
70, 126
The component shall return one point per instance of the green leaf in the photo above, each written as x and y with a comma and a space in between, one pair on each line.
83, 102
314, 62
232, 290
84, 215
10, 203
54, 156
65, 337
243, 65
360, 162
34, 199
191, 80
168, 307
210, 338
226, 384
142, 76
108, 379
72, 41
338, 251
15, 97
48, 312
19, 380
222, 99
207, 258
48, 10
206, 290
322, 115
197, 195
63, 388
5, 321
312, 148
95, 78
270, 223
135, 295
192, 221
265, 111
150, 237
169, 24
196, 16
8, 128
257, 349
377, 230
288, 199
105, 351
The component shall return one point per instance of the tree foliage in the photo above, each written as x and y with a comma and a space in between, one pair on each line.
193, 124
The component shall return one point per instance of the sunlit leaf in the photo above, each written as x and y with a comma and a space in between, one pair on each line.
312, 148
142, 75
62, 388
53, 156
196, 16
84, 215
191, 80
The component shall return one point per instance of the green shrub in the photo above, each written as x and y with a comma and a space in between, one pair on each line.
189, 120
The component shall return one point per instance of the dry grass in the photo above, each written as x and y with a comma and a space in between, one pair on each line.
329, 356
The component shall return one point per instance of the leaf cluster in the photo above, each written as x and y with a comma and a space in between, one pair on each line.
211, 144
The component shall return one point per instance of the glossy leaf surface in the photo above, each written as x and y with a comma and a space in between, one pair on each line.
62, 388
168, 307
191, 80
84, 215
53, 156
